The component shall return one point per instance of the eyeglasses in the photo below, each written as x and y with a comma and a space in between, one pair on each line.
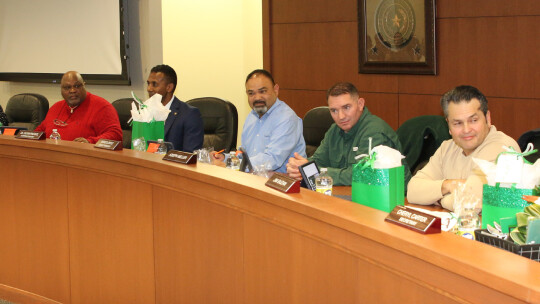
60, 123
75, 86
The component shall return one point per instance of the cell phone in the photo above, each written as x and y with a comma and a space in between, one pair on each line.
245, 164
309, 172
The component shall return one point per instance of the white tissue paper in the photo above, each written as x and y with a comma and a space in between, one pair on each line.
386, 157
528, 179
153, 109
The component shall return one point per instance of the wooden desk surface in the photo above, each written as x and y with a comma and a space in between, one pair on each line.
85, 225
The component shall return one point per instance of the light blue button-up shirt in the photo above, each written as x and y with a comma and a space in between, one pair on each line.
273, 138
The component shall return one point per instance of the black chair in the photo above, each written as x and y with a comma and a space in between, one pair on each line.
123, 108
316, 122
532, 136
27, 110
220, 120
420, 137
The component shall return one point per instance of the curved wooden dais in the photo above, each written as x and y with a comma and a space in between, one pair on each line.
85, 225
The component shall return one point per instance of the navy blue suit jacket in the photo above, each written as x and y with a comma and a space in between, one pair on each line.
184, 127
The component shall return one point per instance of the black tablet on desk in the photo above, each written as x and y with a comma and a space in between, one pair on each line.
309, 172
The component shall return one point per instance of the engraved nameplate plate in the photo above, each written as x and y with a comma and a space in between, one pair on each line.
283, 183
33, 135
414, 220
181, 157
109, 144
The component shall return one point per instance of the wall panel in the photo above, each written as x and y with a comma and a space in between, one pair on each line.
39, 212
186, 267
489, 44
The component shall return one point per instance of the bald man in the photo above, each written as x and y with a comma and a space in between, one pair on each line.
81, 116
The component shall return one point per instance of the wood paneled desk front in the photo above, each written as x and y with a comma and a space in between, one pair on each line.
84, 225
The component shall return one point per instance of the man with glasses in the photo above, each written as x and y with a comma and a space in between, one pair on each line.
81, 116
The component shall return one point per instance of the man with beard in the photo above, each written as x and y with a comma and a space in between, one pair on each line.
272, 131
184, 126
81, 116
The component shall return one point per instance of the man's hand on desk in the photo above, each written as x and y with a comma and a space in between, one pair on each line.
292, 166
449, 185
218, 159
81, 139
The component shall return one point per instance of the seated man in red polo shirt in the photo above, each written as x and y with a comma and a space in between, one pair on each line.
81, 116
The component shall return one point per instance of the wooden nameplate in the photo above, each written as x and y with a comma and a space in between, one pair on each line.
109, 144
185, 158
283, 183
414, 220
32, 135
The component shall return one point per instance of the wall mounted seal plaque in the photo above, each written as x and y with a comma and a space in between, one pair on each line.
397, 36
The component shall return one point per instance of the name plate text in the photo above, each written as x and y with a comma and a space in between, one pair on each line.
283, 183
33, 135
414, 220
109, 144
181, 157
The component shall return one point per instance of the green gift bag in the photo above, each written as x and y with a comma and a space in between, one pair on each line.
382, 189
153, 130
499, 202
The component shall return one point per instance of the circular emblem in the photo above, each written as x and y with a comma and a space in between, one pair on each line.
395, 23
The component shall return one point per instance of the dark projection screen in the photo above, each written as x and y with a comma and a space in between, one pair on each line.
41, 40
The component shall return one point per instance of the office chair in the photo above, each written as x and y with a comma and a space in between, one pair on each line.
123, 108
532, 136
220, 119
420, 137
316, 122
27, 110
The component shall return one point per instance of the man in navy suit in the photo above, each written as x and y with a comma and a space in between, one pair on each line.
184, 126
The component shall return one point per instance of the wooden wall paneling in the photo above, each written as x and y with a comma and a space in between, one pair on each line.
412, 105
383, 105
514, 116
111, 234
198, 248
266, 34
301, 11
492, 54
314, 56
302, 269
486, 8
36, 211
303, 100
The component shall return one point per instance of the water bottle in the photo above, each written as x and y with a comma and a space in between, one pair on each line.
162, 148
55, 135
468, 222
323, 182
234, 161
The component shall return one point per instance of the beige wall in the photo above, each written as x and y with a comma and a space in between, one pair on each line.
213, 45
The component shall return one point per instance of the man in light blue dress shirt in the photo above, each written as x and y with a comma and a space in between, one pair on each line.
272, 131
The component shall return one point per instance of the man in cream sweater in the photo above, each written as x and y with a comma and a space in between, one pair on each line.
473, 135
